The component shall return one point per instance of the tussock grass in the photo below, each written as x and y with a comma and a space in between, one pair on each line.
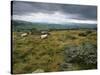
31, 53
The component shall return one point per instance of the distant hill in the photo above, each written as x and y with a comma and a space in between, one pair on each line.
24, 25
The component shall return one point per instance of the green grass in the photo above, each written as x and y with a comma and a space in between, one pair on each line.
31, 53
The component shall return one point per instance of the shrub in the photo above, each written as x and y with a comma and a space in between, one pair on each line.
72, 37
88, 32
85, 54
85, 33
82, 34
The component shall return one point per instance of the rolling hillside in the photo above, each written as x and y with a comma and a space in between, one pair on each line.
23, 25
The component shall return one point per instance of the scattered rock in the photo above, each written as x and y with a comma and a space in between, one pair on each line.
38, 71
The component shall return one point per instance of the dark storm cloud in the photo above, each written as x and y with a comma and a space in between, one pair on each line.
89, 12
23, 8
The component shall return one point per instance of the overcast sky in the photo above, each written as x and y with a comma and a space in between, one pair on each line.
53, 13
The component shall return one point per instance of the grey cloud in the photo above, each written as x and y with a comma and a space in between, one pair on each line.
23, 8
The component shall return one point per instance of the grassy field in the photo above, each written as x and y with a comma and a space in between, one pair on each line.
52, 54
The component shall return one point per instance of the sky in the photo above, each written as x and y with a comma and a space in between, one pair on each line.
53, 12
